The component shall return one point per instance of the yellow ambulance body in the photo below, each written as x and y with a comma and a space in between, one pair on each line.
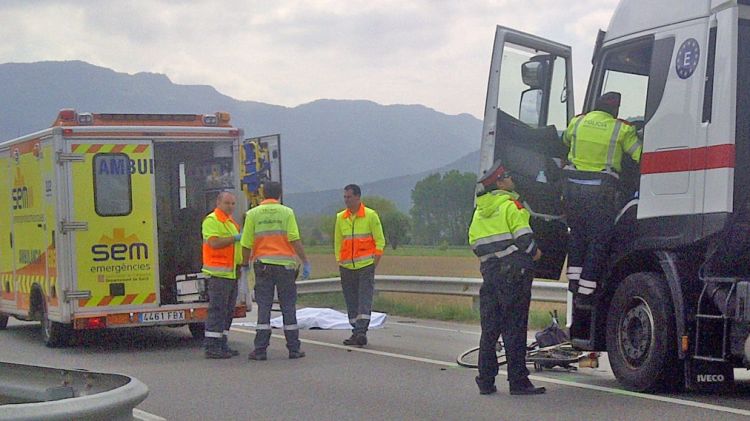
102, 229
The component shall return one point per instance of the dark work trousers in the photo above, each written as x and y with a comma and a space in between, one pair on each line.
222, 297
590, 211
504, 300
358, 286
268, 277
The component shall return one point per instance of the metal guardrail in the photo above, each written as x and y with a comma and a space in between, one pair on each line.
548, 291
49, 394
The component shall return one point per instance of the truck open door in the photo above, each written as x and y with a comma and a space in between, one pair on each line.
529, 103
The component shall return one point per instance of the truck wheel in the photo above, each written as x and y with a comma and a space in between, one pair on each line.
54, 334
641, 342
198, 330
3, 321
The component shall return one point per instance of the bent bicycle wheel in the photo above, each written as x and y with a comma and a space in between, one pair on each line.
470, 357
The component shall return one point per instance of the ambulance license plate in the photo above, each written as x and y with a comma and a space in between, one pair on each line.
161, 316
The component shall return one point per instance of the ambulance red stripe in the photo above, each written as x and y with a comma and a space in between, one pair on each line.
693, 159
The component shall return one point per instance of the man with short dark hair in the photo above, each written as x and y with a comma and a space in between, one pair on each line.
271, 240
358, 245
221, 255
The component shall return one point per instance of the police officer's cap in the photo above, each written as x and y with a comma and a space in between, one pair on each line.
496, 172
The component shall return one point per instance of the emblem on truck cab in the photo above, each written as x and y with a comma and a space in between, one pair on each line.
687, 58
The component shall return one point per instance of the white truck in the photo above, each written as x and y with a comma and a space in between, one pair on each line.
102, 224
674, 310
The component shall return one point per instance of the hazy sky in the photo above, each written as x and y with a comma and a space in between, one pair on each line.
289, 52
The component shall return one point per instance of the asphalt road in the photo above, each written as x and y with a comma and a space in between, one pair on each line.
407, 372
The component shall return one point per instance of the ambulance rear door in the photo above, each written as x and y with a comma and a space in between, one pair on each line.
111, 224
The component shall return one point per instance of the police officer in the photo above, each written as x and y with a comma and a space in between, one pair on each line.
221, 255
270, 239
597, 141
501, 237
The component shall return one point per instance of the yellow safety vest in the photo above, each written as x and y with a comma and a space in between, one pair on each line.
597, 141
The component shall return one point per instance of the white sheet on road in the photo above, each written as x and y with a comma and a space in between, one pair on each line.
322, 318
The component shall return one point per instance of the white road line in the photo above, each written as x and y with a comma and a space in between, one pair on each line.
435, 328
146, 416
675, 401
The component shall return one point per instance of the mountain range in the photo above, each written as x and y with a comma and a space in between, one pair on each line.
326, 143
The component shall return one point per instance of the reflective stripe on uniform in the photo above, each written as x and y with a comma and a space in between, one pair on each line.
634, 148
574, 272
492, 239
291, 327
269, 233
530, 247
522, 231
613, 145
361, 258
499, 254
585, 291
587, 284
263, 327
363, 317
208, 334
353, 236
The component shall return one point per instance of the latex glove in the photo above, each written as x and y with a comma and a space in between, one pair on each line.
306, 269
237, 237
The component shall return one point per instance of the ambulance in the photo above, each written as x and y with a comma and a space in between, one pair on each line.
672, 309
102, 228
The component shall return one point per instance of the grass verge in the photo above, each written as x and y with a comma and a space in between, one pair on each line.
538, 315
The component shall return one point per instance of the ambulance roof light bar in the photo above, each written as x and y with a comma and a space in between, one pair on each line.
69, 117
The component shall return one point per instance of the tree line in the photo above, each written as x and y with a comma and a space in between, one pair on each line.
442, 205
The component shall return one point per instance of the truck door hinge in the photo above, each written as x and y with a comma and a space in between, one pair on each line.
70, 157
68, 226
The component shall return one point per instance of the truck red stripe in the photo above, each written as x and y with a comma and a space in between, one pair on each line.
693, 159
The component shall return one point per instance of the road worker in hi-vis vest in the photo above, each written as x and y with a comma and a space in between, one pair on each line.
502, 239
271, 241
597, 142
358, 244
221, 256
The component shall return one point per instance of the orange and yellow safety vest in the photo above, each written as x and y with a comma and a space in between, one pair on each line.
358, 238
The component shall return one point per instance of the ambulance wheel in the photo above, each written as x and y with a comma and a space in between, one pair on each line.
641, 342
3, 321
54, 334
198, 330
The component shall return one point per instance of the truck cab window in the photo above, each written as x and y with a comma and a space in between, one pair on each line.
626, 70
112, 184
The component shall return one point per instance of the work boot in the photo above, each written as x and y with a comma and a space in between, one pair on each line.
524, 387
362, 339
486, 387
293, 355
226, 348
214, 350
357, 339
256, 355
352, 340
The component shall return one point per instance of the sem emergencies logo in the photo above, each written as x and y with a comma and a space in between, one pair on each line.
21, 195
119, 247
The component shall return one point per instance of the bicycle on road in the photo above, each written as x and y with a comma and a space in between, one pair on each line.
550, 349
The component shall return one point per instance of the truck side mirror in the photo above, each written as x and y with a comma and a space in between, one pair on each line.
534, 74
530, 108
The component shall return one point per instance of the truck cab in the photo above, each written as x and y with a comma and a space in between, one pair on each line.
672, 308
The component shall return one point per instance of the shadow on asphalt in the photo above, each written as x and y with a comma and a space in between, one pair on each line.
146, 339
